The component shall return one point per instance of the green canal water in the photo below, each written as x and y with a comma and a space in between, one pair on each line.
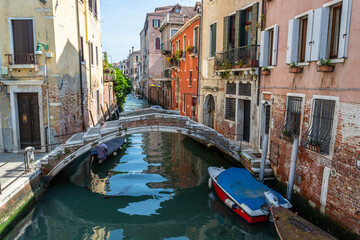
156, 188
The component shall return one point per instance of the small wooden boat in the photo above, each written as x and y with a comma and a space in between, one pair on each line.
246, 196
291, 226
112, 147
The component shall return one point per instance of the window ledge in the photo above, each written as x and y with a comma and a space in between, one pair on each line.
229, 121
23, 66
337, 60
303, 64
269, 67
190, 86
211, 58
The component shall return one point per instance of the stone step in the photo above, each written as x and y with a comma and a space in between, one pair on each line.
257, 170
75, 140
109, 127
256, 163
92, 134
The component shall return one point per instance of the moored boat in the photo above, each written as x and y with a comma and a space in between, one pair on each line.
111, 147
246, 196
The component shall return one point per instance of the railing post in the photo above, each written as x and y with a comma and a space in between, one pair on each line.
29, 159
263, 157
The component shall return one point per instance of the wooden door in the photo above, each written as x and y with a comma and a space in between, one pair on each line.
29, 123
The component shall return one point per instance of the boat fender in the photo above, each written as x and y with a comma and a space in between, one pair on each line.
210, 183
115, 153
271, 199
230, 203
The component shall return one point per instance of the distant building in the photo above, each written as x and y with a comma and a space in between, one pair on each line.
72, 51
135, 62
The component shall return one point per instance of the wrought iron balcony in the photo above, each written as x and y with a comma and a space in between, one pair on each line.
173, 63
242, 57
26, 58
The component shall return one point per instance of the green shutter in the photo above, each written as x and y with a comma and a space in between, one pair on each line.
226, 33
255, 20
213, 40
242, 34
237, 29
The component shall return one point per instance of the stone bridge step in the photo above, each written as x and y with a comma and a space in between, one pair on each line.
109, 127
256, 171
92, 134
75, 140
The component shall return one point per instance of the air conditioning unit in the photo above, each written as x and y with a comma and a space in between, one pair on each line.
4, 71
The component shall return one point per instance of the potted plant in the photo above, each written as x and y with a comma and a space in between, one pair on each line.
178, 54
294, 68
225, 74
314, 144
239, 63
325, 66
265, 71
190, 49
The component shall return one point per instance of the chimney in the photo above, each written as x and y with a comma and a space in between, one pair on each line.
132, 49
129, 52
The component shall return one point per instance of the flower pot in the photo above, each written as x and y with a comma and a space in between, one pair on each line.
265, 72
295, 70
329, 68
314, 148
245, 66
237, 66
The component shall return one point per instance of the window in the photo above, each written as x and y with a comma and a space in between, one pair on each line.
177, 45
137, 58
230, 109
334, 30
248, 23
245, 89
23, 41
319, 135
95, 9
268, 47
82, 49
302, 39
229, 32
156, 23
97, 56
177, 10
196, 39
292, 117
212, 40
92, 54
157, 43
91, 5
191, 78
184, 46
173, 32
231, 88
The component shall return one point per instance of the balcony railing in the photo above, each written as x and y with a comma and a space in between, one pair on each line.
173, 63
242, 57
167, 73
26, 58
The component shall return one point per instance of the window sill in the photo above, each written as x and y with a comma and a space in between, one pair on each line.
23, 66
210, 58
269, 67
190, 86
334, 61
229, 121
302, 64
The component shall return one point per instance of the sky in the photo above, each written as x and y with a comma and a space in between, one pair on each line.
122, 21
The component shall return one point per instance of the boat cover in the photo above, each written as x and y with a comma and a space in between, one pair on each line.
112, 146
244, 188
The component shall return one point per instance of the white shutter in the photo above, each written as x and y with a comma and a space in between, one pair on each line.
293, 41
264, 46
344, 28
308, 40
275, 45
320, 33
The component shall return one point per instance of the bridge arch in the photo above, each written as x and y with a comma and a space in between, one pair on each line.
141, 121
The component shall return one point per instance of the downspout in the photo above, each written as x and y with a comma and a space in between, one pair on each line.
199, 56
80, 67
87, 41
290, 187
47, 103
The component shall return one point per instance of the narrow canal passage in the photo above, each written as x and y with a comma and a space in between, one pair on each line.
155, 189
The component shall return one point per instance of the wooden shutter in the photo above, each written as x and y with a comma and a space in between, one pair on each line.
308, 40
275, 45
344, 28
226, 33
242, 34
264, 46
237, 29
255, 18
320, 33
293, 41
213, 40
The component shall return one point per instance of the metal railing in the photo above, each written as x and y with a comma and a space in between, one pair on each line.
25, 58
173, 63
247, 56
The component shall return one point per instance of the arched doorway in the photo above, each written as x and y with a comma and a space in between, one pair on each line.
209, 111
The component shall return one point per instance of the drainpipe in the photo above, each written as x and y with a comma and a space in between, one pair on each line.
292, 168
199, 56
263, 157
47, 103
80, 67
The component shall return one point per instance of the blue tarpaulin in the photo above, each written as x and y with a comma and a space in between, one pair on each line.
244, 188
112, 146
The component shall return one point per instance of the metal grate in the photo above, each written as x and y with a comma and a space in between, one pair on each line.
230, 109
231, 88
274, 153
245, 89
318, 136
291, 124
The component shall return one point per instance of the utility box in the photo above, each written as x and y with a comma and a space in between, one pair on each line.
4, 71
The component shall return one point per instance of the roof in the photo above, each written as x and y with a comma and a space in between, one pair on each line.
185, 26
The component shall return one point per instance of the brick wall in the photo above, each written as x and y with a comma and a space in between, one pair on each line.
343, 197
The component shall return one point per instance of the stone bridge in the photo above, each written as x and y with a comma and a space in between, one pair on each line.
141, 121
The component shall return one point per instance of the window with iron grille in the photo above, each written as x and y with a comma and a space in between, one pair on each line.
230, 109
231, 88
191, 78
318, 136
292, 117
245, 89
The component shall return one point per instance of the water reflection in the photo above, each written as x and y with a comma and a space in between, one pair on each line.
154, 189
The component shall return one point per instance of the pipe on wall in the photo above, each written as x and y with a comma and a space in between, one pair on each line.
290, 187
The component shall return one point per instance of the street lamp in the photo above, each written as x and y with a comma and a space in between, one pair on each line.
39, 52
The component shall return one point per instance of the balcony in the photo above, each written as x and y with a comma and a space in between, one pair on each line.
242, 57
165, 49
173, 63
26, 58
172, 18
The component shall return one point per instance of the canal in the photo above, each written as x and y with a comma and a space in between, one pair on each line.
156, 188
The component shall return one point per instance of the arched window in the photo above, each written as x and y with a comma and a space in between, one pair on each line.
157, 43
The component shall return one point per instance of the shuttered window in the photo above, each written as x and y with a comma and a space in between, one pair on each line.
23, 41
245, 89
213, 40
231, 88
196, 39
268, 47
230, 109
